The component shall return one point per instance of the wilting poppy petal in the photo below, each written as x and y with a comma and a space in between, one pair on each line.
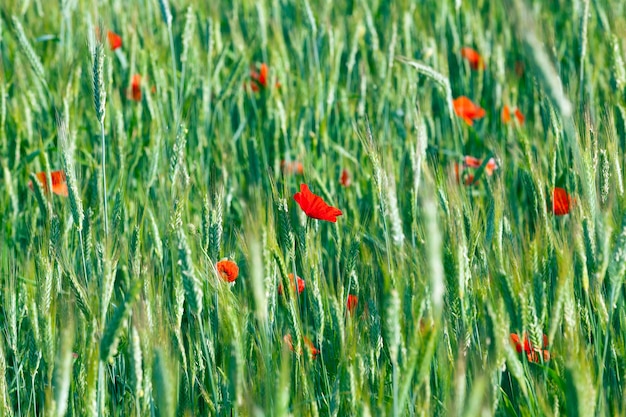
115, 40
293, 285
560, 201
135, 88
314, 206
519, 116
254, 87
288, 341
59, 184
312, 349
291, 167
506, 114
474, 59
467, 110
352, 302
228, 270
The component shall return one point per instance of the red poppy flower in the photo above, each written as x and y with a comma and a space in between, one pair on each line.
135, 88
561, 201
293, 285
471, 161
59, 185
259, 80
506, 115
460, 172
352, 302
467, 110
115, 40
228, 270
532, 353
314, 206
313, 351
491, 166
345, 178
291, 167
472, 56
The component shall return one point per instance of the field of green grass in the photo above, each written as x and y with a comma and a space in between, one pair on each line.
156, 259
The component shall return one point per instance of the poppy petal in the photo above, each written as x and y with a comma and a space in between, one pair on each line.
115, 40
467, 110
506, 114
58, 180
314, 206
560, 201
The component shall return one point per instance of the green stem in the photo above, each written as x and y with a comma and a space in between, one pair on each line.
175, 95
104, 181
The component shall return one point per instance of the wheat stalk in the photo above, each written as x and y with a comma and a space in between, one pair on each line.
99, 96
33, 58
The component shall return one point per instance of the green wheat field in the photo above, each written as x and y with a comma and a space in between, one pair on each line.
161, 255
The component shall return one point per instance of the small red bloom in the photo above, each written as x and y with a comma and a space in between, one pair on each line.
345, 178
263, 75
312, 349
352, 302
467, 110
228, 270
532, 352
561, 201
468, 178
293, 285
135, 88
471, 161
474, 59
506, 115
259, 80
59, 185
115, 40
491, 166
291, 167
314, 206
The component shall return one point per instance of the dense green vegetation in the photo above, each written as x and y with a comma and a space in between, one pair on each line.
449, 285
